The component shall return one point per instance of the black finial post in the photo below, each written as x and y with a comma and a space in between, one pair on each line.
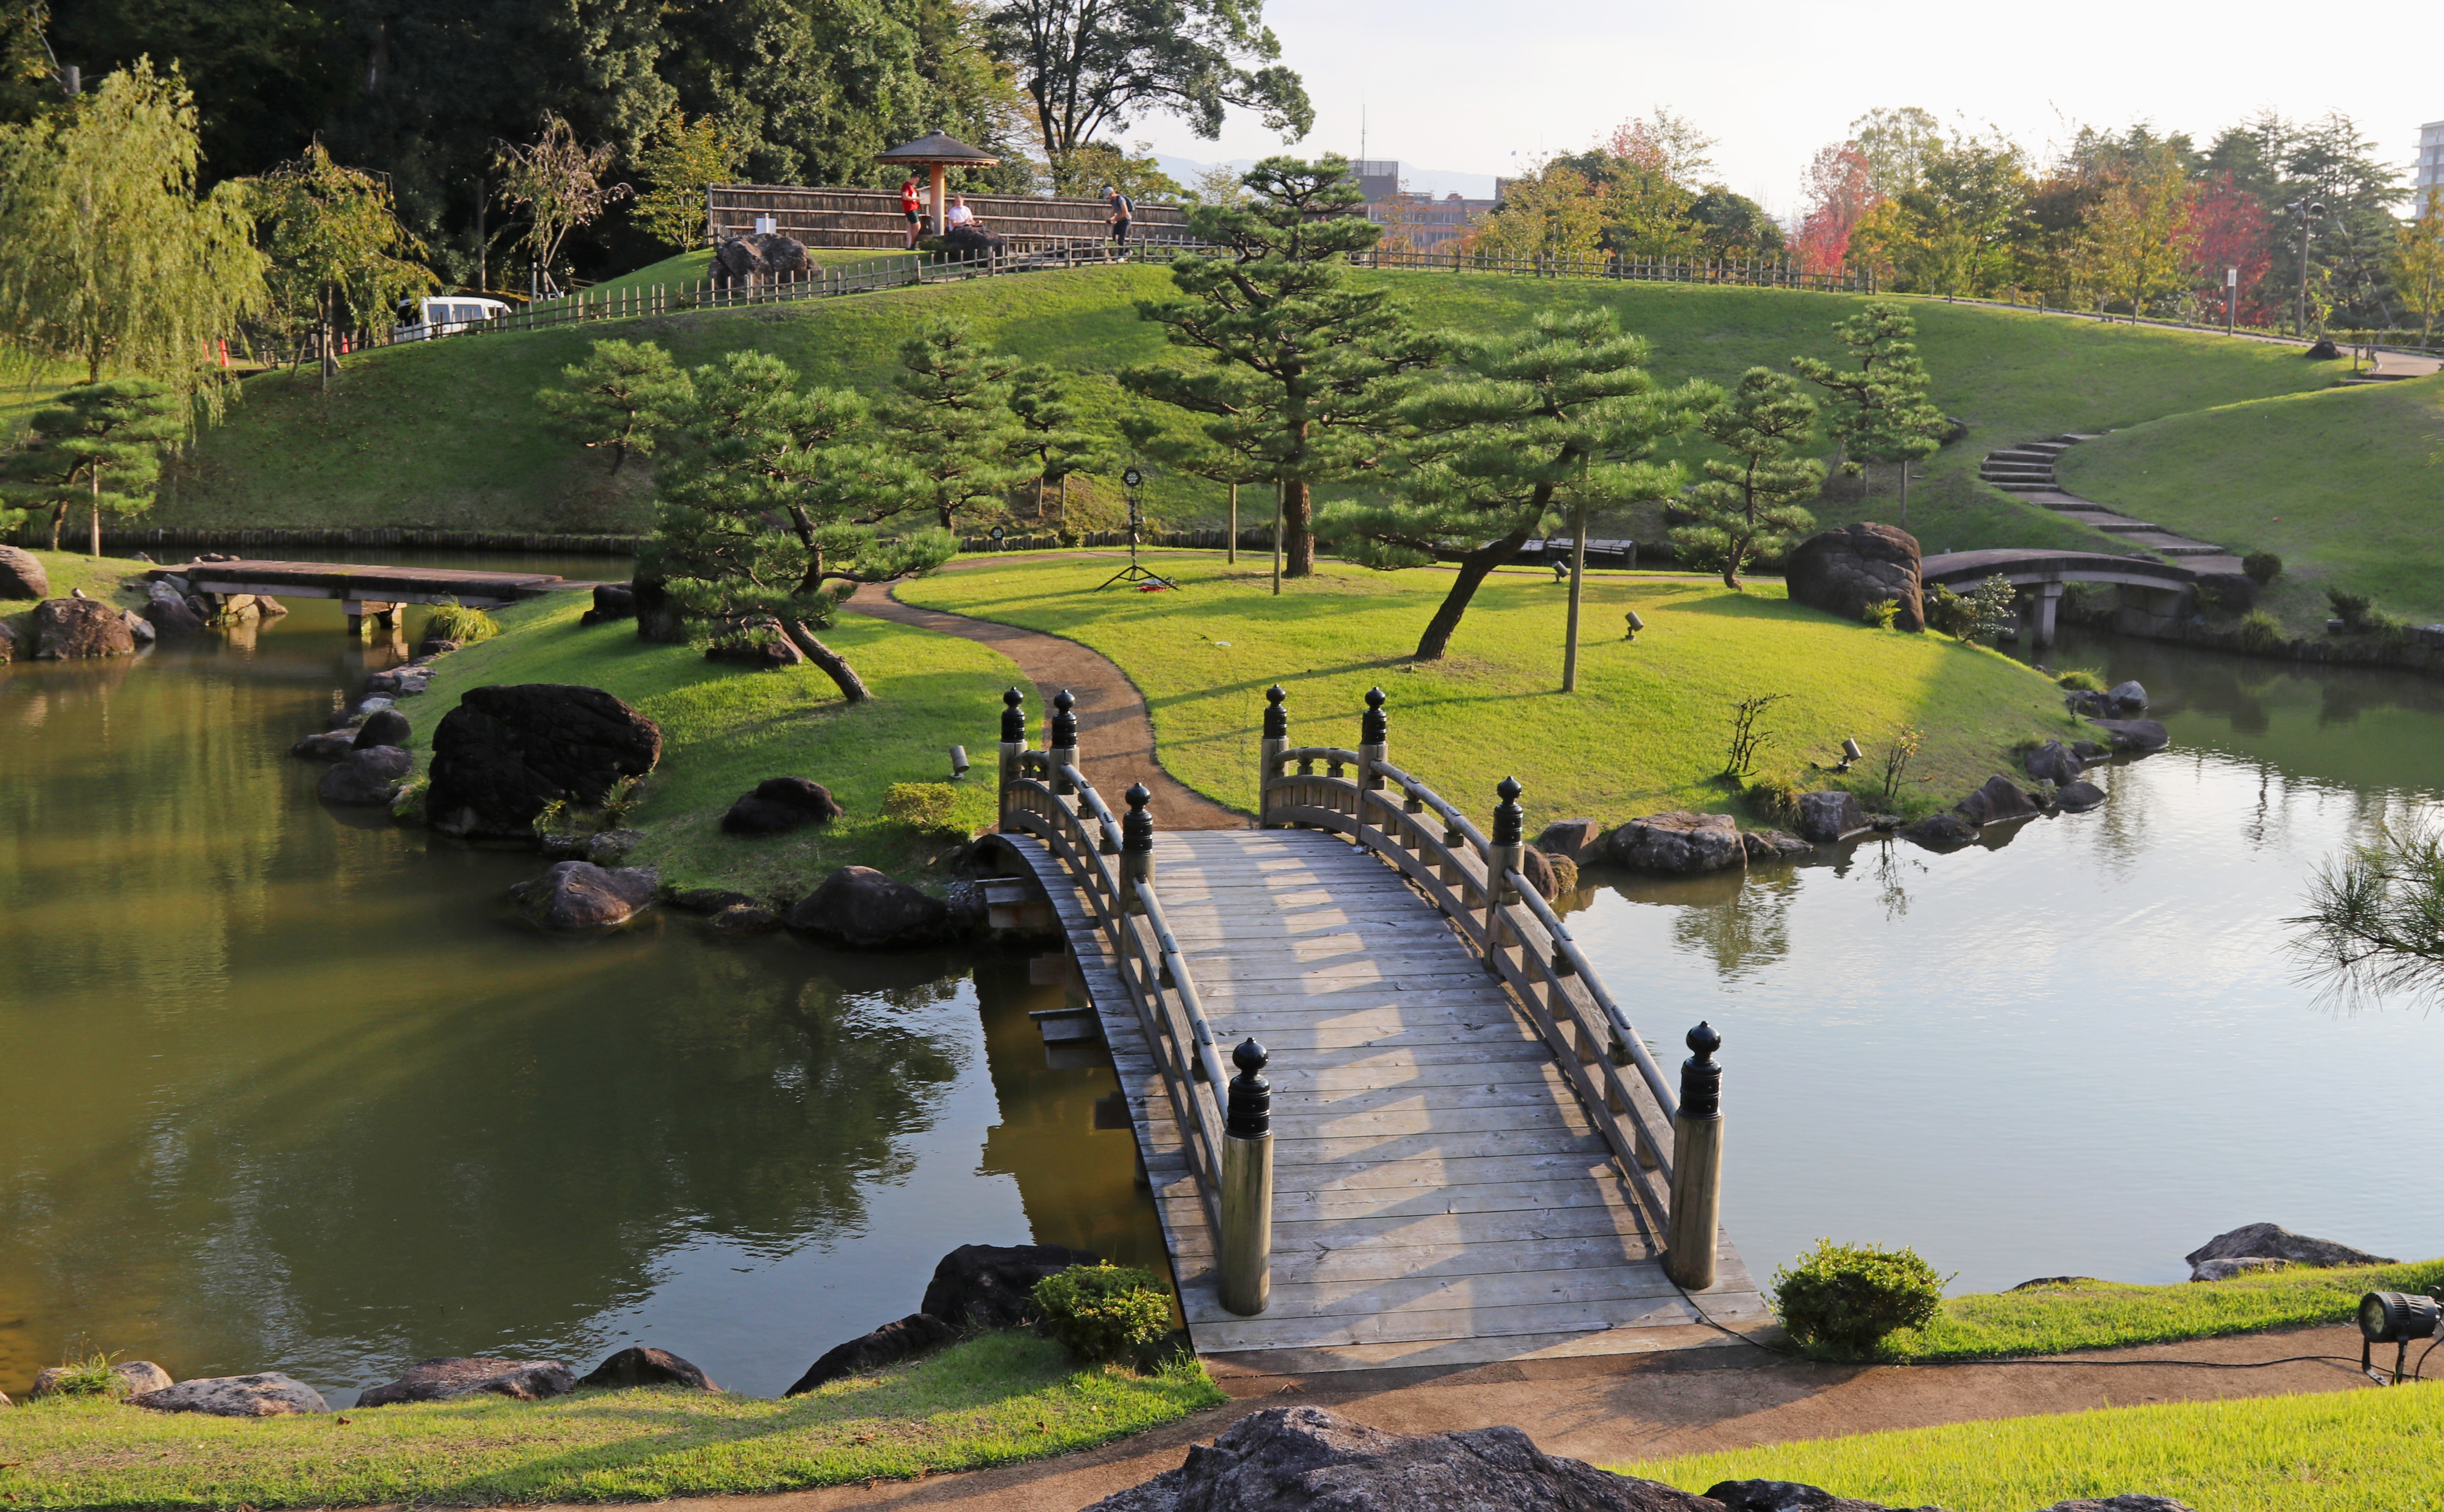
1137, 825
1372, 725
1250, 1110
1065, 723
1702, 1079
1269, 764
1510, 820
1013, 718
1277, 719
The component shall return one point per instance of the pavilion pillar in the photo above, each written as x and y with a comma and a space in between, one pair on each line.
941, 201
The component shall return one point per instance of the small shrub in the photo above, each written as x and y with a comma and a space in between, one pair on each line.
89, 1376
1947, 612
1882, 612
456, 622
1747, 738
621, 801
1100, 1313
1776, 798
553, 817
926, 806
2210, 600
2081, 680
2260, 631
1846, 1297
2262, 566
2350, 608
2385, 625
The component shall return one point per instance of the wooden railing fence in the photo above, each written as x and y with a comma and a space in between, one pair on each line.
1748, 272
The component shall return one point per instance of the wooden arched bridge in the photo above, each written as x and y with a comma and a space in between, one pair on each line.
1472, 1151
2041, 574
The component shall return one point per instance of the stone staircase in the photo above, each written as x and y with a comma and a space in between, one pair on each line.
2027, 471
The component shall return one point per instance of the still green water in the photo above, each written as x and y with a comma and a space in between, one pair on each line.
287, 1088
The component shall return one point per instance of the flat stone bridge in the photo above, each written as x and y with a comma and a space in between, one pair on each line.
2039, 576
366, 592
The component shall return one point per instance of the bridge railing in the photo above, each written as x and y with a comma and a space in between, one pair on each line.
1477, 884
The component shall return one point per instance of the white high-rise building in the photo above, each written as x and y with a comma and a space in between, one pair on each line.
2428, 173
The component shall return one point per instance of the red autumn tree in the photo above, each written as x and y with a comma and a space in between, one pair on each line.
2228, 229
1840, 190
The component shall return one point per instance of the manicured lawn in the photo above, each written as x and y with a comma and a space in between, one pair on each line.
2332, 1451
68, 570
2103, 1315
2342, 485
1647, 732
725, 729
993, 1400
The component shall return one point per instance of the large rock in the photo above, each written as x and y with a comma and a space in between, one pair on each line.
2053, 762
384, 727
640, 1366
138, 627
1309, 1458
780, 805
982, 1286
2078, 797
169, 612
1843, 571
438, 1380
9, 650
1578, 839
2227, 1270
1940, 831
2130, 697
574, 895
2275, 1242
887, 1345
1678, 842
1774, 845
1550, 875
67, 629
269, 1394
758, 643
858, 906
22, 575
612, 600
1825, 817
760, 258
137, 1377
1787, 1496
2233, 593
2139, 735
507, 750
329, 746
1998, 799
367, 777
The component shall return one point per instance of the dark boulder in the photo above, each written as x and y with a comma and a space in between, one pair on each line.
707, 899
2078, 797
508, 751
327, 745
22, 575
269, 1394
2323, 351
1787, 1496
858, 906
2053, 763
431, 646
573, 895
2136, 735
170, 615
1774, 845
2129, 697
760, 258
612, 600
67, 629
983, 1286
744, 918
780, 805
1550, 875
2275, 1242
1678, 842
367, 777
1940, 831
384, 727
640, 1366
2232, 593
1578, 839
1843, 571
887, 1345
2126, 1502
438, 1380
1310, 1459
1827, 816
1999, 799
613, 847
659, 618
759, 643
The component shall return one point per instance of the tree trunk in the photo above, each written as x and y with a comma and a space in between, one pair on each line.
1473, 569
852, 688
1298, 531
58, 518
97, 514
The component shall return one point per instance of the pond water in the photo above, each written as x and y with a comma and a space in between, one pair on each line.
288, 1089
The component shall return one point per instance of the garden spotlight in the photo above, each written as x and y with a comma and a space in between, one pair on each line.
2396, 1319
958, 762
1850, 753
1634, 623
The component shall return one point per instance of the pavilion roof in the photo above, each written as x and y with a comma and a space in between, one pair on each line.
935, 147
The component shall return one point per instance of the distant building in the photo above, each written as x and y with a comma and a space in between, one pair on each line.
2428, 173
1422, 220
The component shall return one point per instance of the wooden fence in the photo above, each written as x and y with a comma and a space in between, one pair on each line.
872, 217
1750, 272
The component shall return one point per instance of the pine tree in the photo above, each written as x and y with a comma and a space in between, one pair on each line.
1748, 507
1885, 415
1562, 415
1304, 372
624, 395
96, 444
1050, 442
951, 420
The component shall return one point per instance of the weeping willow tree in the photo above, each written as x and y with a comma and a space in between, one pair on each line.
2375, 927
110, 257
337, 254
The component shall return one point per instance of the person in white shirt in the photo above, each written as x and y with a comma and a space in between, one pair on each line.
958, 214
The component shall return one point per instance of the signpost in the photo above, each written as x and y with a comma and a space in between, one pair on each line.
1134, 572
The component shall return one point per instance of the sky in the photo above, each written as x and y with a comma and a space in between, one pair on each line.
1482, 88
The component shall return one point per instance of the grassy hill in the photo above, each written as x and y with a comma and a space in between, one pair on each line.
445, 435
2345, 486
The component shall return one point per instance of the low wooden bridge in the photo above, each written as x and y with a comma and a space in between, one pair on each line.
366, 592
1471, 1151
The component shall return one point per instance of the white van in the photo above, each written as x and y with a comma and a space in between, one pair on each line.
445, 314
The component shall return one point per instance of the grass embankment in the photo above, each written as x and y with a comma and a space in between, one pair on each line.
993, 1400
2345, 486
101, 578
726, 727
446, 435
2331, 1451
1648, 729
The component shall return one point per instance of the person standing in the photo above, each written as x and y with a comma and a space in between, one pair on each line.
1122, 212
912, 204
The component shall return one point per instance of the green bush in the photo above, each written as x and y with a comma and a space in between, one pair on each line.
2210, 600
2260, 631
1776, 798
456, 622
2081, 680
91, 1376
2262, 566
1102, 1312
2350, 608
1846, 1297
926, 806
1882, 612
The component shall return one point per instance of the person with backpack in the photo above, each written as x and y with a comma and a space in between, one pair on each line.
1122, 212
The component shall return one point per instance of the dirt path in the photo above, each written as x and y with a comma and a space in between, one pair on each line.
1115, 737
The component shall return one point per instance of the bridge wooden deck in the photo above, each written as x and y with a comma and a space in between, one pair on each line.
358, 583
1441, 1195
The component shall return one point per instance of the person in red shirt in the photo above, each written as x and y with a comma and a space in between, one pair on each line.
912, 204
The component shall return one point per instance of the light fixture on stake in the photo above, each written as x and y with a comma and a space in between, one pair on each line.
1134, 572
2396, 1319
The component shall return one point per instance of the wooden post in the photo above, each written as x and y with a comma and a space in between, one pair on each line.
1013, 746
1136, 848
1697, 1166
1064, 744
1504, 853
941, 201
1277, 740
1246, 1238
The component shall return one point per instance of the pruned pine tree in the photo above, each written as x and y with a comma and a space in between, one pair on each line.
1302, 370
769, 493
1884, 414
951, 421
1749, 505
96, 444
1560, 417
1051, 440
625, 395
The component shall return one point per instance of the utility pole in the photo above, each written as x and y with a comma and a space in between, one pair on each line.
2307, 211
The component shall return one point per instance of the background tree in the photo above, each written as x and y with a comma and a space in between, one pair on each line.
1840, 191
1748, 507
1553, 214
1088, 65
1563, 416
1304, 372
109, 258
98, 445
1085, 173
679, 162
951, 421
337, 251
2417, 265
625, 395
1885, 415
557, 181
1050, 439
2140, 228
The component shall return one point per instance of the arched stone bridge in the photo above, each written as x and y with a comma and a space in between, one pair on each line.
2039, 576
